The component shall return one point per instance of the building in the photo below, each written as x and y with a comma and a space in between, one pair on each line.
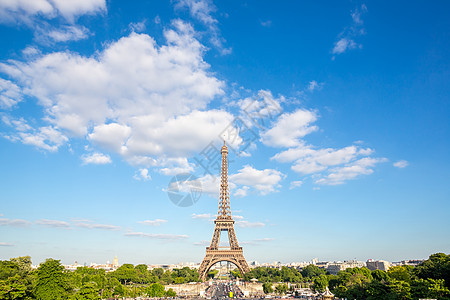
410, 262
377, 265
115, 263
335, 267
327, 295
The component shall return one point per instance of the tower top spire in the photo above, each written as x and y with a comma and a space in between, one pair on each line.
224, 211
224, 149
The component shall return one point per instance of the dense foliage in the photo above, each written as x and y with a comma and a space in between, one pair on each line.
430, 279
274, 275
51, 281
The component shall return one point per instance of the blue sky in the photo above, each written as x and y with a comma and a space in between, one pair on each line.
341, 110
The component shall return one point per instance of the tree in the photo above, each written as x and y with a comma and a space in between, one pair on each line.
281, 289
166, 278
212, 273
155, 290
12, 288
23, 263
320, 283
179, 280
126, 273
267, 288
171, 293
437, 266
158, 272
429, 288
119, 290
236, 273
403, 273
380, 275
312, 271
16, 280
399, 289
351, 283
88, 291
52, 281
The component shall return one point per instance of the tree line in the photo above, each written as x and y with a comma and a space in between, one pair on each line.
51, 281
430, 280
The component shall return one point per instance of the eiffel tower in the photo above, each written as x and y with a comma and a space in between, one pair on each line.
223, 222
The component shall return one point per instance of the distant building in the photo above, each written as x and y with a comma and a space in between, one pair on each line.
322, 264
410, 262
115, 263
254, 264
335, 267
377, 265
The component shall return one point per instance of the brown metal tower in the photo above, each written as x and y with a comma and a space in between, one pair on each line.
223, 222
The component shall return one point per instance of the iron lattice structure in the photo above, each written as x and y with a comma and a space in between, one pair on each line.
223, 222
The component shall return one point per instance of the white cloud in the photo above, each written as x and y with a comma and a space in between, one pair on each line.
306, 159
176, 170
156, 222
295, 184
111, 136
175, 166
339, 175
53, 223
68, 33
264, 240
260, 109
43, 17
401, 164
96, 158
142, 174
90, 225
161, 236
47, 138
14, 222
72, 8
257, 241
209, 185
264, 181
202, 243
356, 15
2, 244
289, 128
201, 216
346, 39
24, 11
242, 192
309, 160
178, 136
267, 23
247, 224
143, 101
237, 217
343, 45
138, 26
31, 51
10, 94
202, 10
314, 85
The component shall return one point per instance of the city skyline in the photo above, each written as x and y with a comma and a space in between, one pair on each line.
336, 116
